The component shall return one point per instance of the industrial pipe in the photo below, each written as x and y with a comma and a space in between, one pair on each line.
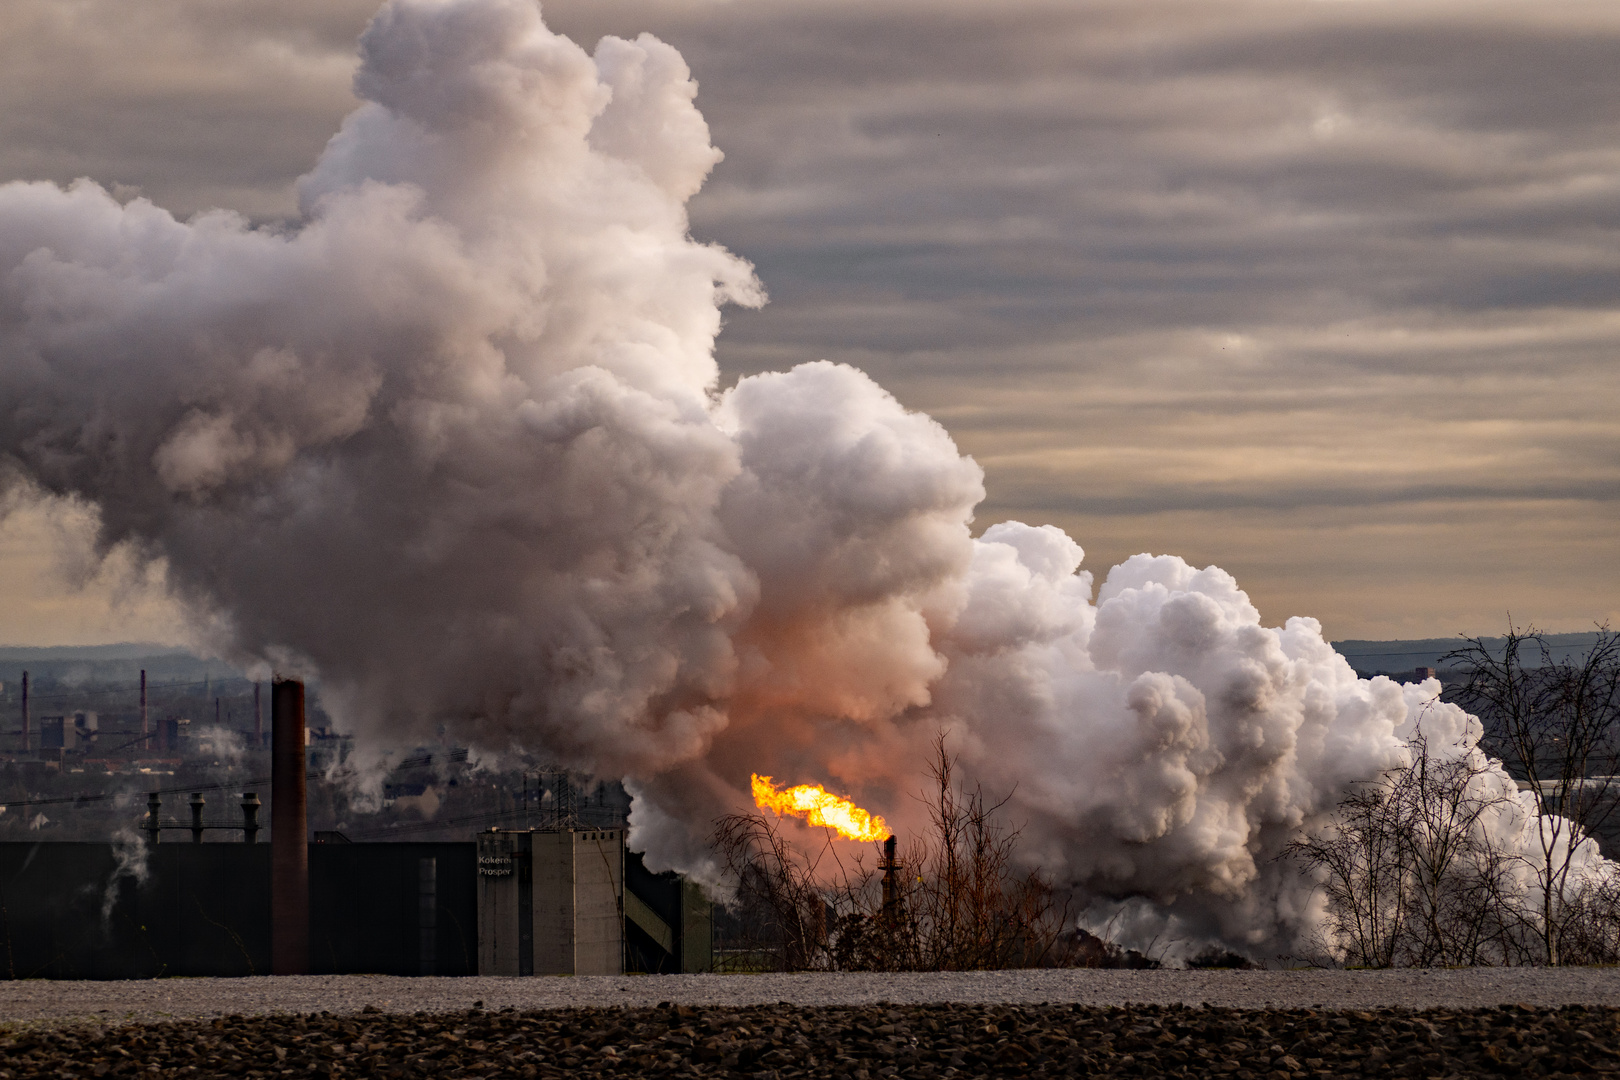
289, 832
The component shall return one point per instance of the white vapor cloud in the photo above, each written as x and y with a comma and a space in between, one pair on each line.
453, 439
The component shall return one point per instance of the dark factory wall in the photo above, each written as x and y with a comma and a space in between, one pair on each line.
372, 910
105, 911
682, 907
80, 911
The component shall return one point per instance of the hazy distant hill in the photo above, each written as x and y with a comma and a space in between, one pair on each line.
125, 651
1399, 656
121, 663
165, 663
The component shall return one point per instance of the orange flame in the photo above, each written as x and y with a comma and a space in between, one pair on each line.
819, 807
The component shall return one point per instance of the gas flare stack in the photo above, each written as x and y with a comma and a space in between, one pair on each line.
891, 880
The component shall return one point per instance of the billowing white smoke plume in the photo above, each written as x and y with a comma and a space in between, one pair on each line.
452, 444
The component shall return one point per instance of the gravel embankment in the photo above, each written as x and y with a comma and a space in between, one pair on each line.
785, 1042
182, 998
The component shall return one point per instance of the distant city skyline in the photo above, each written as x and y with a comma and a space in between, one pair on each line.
1323, 294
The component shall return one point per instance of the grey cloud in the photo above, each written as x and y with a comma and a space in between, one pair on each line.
959, 196
1014, 500
195, 104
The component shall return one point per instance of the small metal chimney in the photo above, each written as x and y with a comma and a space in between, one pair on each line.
289, 832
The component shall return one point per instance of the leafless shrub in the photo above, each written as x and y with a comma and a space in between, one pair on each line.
1591, 925
972, 908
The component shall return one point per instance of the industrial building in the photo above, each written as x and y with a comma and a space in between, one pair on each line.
111, 911
558, 900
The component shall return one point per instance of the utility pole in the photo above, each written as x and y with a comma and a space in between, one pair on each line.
258, 720
27, 742
146, 738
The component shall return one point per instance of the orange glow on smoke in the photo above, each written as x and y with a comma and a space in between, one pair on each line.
819, 807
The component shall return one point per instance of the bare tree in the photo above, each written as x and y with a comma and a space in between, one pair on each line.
1463, 911
1555, 724
1410, 869
1359, 859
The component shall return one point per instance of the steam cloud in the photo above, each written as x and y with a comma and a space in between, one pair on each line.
452, 443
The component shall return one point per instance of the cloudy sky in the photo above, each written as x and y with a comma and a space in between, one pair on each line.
1324, 293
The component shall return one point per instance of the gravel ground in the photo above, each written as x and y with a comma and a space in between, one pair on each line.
1246, 1025
338, 994
874, 1042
